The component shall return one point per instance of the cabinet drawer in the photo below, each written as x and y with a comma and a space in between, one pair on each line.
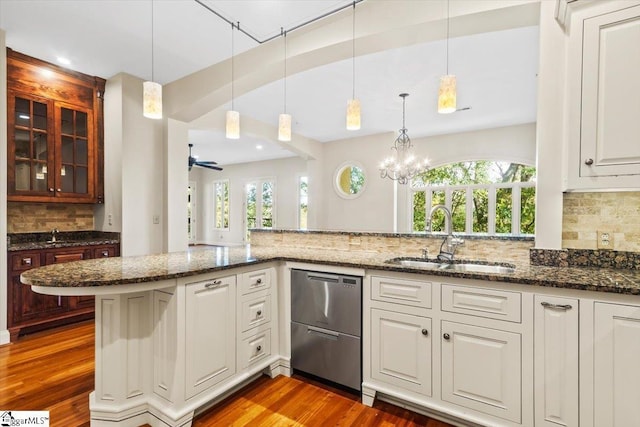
256, 312
490, 303
104, 252
256, 281
21, 262
68, 256
255, 348
401, 291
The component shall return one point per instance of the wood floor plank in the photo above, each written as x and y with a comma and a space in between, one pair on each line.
54, 371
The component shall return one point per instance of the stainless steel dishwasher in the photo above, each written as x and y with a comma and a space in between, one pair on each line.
326, 324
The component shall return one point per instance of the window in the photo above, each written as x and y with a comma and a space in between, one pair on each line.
303, 198
221, 204
259, 205
484, 197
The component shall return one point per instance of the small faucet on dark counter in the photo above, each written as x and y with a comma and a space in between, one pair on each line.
54, 234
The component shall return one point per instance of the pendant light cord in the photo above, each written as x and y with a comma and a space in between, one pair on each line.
152, 59
232, 64
447, 37
284, 33
353, 50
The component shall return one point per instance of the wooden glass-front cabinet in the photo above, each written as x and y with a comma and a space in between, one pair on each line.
55, 133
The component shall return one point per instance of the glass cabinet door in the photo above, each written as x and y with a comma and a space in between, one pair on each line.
74, 152
30, 143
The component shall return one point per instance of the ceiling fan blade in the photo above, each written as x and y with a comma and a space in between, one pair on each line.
204, 165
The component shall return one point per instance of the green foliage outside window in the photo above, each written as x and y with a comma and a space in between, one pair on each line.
473, 173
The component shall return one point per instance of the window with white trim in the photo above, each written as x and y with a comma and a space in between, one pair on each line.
485, 197
221, 204
259, 205
303, 202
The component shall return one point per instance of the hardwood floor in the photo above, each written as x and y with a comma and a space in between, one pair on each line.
54, 371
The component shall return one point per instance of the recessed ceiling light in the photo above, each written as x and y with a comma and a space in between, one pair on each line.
258, 147
64, 61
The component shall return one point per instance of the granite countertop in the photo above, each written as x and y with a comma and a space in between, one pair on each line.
38, 241
140, 269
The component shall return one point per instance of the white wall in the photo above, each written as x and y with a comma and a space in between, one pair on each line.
374, 210
134, 169
285, 172
4, 333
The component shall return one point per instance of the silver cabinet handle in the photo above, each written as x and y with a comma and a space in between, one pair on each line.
59, 190
557, 306
213, 284
588, 162
51, 189
26, 261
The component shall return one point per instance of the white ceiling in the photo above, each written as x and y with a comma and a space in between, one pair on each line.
496, 71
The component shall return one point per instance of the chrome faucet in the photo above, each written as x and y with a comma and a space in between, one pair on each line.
451, 242
54, 233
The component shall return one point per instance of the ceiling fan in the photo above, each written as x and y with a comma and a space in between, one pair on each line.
193, 161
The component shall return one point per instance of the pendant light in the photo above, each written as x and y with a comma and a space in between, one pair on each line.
402, 165
447, 92
284, 120
233, 117
152, 91
353, 105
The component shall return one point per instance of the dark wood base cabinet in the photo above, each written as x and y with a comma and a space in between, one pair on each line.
29, 311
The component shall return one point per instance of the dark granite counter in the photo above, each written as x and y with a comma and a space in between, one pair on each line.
37, 241
141, 269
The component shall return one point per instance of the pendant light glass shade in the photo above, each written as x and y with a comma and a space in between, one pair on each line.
353, 114
152, 100
284, 127
447, 94
233, 125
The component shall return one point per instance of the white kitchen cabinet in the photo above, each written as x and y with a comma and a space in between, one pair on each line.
210, 336
556, 361
401, 350
481, 369
605, 106
616, 370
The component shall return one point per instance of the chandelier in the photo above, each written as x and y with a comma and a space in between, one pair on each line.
402, 165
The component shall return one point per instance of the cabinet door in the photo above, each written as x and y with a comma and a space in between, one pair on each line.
210, 336
481, 369
556, 361
75, 152
31, 307
30, 146
610, 129
616, 367
401, 350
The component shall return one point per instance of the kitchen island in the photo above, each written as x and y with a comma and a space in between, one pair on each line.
178, 332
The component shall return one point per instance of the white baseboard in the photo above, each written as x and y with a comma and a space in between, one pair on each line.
4, 337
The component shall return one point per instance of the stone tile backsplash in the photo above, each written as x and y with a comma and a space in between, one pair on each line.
481, 249
44, 217
585, 215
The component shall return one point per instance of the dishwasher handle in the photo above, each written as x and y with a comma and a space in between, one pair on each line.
323, 277
323, 333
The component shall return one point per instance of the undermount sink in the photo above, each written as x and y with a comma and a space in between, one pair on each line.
462, 266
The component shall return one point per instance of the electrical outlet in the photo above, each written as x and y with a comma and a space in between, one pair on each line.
156, 219
605, 239
110, 219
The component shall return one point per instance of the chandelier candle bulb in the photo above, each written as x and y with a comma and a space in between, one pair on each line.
353, 114
284, 127
152, 100
447, 94
233, 125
